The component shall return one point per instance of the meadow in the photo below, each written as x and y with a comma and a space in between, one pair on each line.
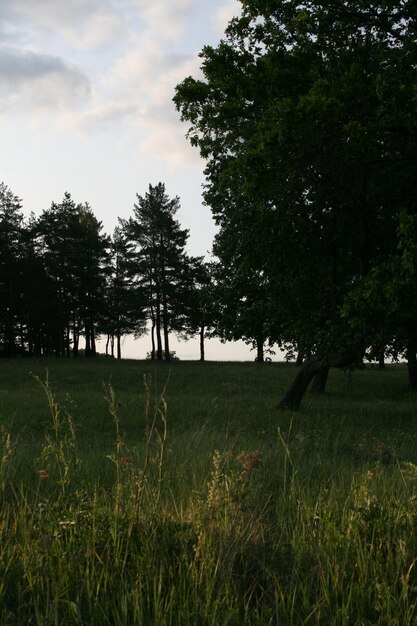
135, 493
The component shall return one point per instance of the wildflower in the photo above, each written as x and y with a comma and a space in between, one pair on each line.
43, 474
250, 460
126, 461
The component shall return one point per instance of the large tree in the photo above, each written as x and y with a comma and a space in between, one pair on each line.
306, 117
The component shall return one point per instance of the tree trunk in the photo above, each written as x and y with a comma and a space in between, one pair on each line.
412, 362
299, 360
166, 332
93, 341
153, 335
292, 398
87, 342
119, 346
381, 360
158, 331
260, 350
107, 345
76, 338
319, 381
202, 355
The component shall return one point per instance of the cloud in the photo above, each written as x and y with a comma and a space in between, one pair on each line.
224, 14
100, 116
32, 81
87, 24
149, 50
165, 139
167, 18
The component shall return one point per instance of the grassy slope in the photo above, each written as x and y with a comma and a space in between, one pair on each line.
322, 533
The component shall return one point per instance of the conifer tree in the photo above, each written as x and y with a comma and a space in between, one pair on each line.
161, 261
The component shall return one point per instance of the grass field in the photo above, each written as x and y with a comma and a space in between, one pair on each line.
134, 493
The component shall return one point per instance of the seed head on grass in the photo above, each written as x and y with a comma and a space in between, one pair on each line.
43, 474
250, 460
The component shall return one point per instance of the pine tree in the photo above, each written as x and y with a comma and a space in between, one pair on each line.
161, 261
11, 254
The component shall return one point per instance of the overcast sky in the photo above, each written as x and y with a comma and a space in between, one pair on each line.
86, 91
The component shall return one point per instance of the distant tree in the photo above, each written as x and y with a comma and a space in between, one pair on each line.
74, 252
160, 261
197, 304
38, 297
124, 312
11, 266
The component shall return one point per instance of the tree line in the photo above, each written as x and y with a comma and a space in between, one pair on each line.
64, 283
306, 115
63, 280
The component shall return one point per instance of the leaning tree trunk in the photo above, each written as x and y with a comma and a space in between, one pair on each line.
292, 398
319, 381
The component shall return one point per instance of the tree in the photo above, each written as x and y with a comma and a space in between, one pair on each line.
160, 263
244, 298
74, 253
383, 304
197, 304
11, 255
305, 117
124, 307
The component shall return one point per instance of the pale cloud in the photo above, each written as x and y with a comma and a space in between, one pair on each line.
85, 24
165, 17
144, 81
147, 53
166, 141
31, 81
224, 14
99, 116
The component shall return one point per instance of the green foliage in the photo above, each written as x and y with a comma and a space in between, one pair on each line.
382, 304
305, 115
160, 264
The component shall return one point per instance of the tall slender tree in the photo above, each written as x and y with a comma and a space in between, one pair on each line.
11, 259
124, 312
160, 261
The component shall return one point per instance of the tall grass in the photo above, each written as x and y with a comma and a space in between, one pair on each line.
290, 521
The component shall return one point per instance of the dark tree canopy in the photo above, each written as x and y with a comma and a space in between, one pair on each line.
62, 279
160, 262
306, 117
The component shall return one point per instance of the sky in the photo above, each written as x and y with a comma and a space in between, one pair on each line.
86, 91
